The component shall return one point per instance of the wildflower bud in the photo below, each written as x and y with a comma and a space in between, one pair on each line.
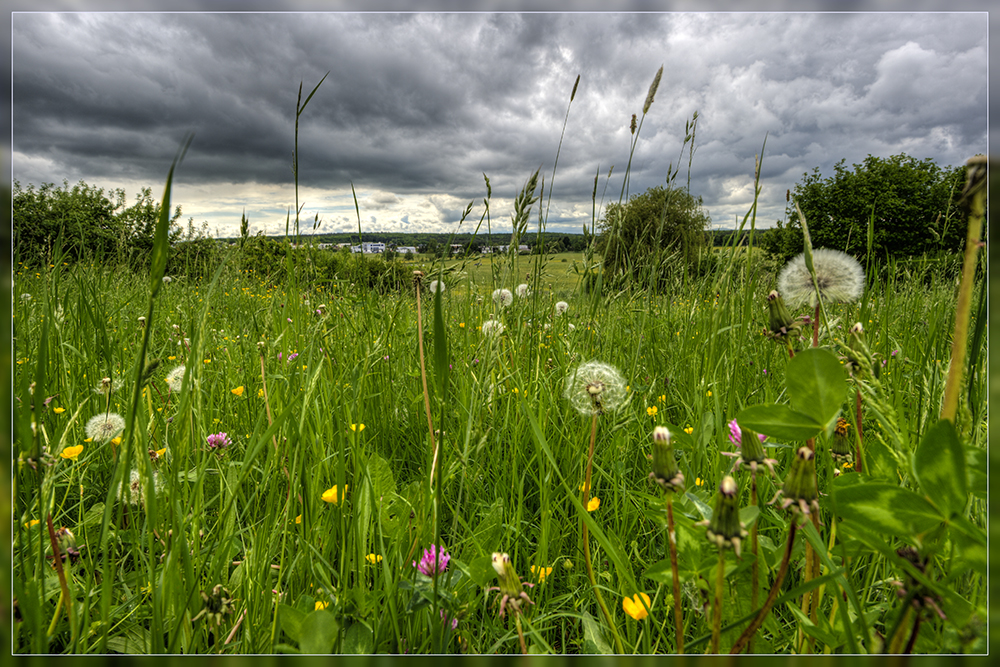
66, 541
725, 529
510, 587
665, 471
799, 491
418, 277
142, 321
781, 326
217, 605
859, 358
840, 449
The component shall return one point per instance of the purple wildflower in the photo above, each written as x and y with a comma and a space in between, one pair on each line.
444, 619
218, 441
291, 357
430, 565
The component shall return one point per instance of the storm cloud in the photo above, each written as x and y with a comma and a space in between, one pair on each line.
418, 110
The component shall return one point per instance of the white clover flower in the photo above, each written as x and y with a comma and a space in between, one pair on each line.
502, 297
436, 286
595, 388
839, 276
522, 290
561, 307
105, 427
175, 378
493, 328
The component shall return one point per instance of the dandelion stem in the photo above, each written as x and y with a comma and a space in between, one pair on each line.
586, 539
520, 633
672, 536
64, 597
771, 597
720, 577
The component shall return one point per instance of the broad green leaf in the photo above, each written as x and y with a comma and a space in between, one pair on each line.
291, 621
816, 384
593, 639
971, 542
358, 639
975, 469
886, 509
318, 632
779, 421
939, 464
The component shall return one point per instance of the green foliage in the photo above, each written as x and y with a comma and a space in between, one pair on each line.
910, 204
655, 235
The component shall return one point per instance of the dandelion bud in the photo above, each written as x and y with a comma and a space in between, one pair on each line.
418, 277
858, 358
510, 584
840, 448
799, 491
724, 528
781, 326
665, 471
66, 542
142, 321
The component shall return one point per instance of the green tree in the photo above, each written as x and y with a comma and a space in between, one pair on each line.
652, 235
912, 202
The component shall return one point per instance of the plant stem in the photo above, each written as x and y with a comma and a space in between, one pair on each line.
754, 570
423, 378
720, 576
759, 619
678, 617
857, 428
586, 539
520, 633
975, 188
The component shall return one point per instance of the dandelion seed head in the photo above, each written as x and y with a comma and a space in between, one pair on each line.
436, 286
493, 328
839, 276
175, 378
104, 427
522, 290
502, 297
561, 307
594, 388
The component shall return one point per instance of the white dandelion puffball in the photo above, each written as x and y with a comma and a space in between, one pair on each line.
502, 297
595, 388
839, 276
175, 378
522, 291
108, 386
436, 286
134, 491
492, 328
105, 427
561, 307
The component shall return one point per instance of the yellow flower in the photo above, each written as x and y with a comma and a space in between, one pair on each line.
633, 606
584, 487
331, 496
32, 523
116, 441
357, 427
72, 452
651, 411
848, 465
594, 503
298, 519
260, 393
373, 558
709, 394
461, 325
238, 391
59, 411
320, 605
161, 452
171, 358
662, 398
541, 572
698, 481
689, 429
88, 439
208, 361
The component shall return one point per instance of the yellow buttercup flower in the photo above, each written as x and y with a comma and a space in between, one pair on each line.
357, 427
238, 391
633, 606
59, 411
331, 495
689, 430
32, 523
698, 481
593, 504
72, 452
709, 394
260, 393
541, 572
373, 558
651, 411
116, 441
320, 605
298, 519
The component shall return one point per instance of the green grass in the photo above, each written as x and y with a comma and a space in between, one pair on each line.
512, 459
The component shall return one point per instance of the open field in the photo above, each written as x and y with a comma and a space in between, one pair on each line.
303, 527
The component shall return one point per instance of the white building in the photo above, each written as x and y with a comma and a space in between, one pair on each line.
369, 247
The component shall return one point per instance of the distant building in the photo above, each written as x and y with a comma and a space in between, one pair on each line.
369, 248
403, 249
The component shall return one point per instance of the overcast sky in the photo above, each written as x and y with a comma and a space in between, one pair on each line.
417, 107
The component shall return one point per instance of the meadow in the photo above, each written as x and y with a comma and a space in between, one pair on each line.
507, 457
304, 527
